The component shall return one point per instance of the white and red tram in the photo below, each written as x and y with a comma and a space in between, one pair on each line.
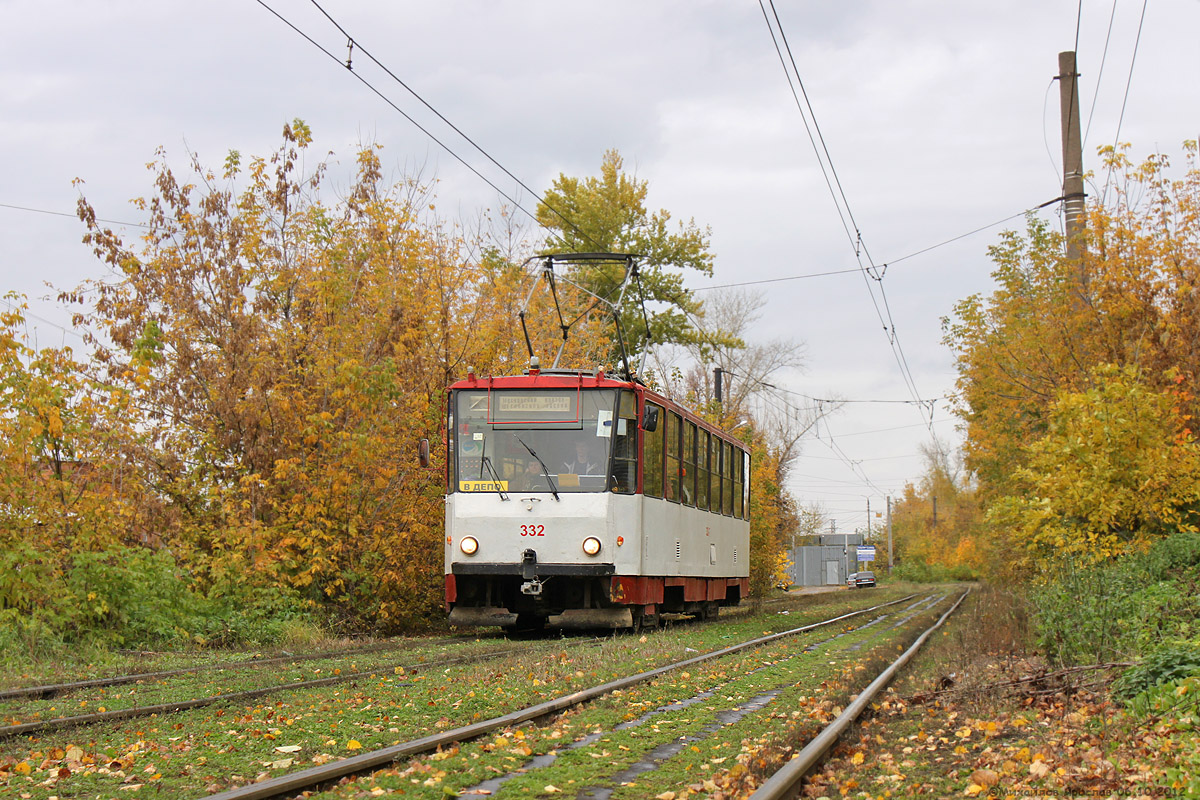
582, 500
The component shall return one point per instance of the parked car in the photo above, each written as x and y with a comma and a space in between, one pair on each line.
860, 579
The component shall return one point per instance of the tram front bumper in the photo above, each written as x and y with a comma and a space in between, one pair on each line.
489, 615
592, 618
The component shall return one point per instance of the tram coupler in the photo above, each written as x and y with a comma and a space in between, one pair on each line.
533, 587
529, 568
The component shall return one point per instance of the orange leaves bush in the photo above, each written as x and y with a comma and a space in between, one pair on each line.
284, 356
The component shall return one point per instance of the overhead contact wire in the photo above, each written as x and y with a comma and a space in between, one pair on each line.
378, 93
452, 126
884, 314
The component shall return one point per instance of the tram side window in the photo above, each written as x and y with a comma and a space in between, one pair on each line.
674, 426
727, 480
689, 463
624, 479
716, 454
746, 485
738, 482
702, 471
652, 464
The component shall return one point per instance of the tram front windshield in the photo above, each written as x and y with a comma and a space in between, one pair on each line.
533, 439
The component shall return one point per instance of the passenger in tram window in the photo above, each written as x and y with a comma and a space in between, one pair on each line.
532, 477
585, 461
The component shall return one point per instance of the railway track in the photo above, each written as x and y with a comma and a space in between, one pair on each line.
36, 725
46, 691
785, 783
253, 742
383, 758
39, 727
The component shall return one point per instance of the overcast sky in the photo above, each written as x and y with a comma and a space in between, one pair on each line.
940, 118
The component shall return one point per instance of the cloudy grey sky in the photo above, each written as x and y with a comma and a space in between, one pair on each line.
941, 117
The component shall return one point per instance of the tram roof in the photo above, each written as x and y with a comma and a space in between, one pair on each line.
547, 379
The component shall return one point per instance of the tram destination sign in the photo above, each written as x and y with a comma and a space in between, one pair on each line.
550, 407
541, 403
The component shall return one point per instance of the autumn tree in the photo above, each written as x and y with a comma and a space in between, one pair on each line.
65, 485
936, 522
608, 214
74, 510
1044, 338
773, 517
291, 353
1117, 468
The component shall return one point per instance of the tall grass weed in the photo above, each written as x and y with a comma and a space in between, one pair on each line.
131, 598
1123, 610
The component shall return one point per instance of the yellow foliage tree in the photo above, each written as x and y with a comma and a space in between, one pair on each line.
64, 483
289, 355
936, 523
1117, 468
1029, 354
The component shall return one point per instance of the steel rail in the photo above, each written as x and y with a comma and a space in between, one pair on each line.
58, 723
325, 773
54, 689
786, 782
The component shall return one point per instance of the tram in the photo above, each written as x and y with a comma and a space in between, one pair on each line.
577, 499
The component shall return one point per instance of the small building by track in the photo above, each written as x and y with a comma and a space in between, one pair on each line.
828, 562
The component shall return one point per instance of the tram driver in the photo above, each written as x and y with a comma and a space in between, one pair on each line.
585, 461
532, 477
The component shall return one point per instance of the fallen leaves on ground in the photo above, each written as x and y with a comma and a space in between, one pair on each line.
1047, 743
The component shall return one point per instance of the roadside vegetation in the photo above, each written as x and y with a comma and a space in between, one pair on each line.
1079, 491
229, 457
991, 712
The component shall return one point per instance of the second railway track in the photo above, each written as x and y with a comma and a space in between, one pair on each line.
184, 753
44, 691
158, 709
310, 779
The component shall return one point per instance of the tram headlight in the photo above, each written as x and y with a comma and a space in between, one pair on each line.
469, 544
591, 545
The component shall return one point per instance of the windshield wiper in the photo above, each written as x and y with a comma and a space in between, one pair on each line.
487, 462
545, 469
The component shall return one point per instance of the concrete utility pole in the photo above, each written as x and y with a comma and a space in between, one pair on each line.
868, 541
889, 523
717, 375
1072, 150
796, 573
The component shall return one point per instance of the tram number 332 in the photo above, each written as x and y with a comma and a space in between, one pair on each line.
533, 530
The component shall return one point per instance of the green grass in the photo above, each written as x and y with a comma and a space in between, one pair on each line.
803, 680
193, 751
